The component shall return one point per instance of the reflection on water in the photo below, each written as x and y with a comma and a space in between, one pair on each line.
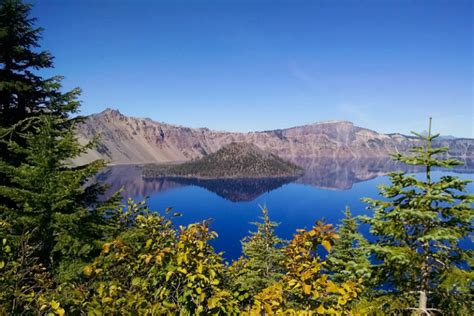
129, 177
323, 192
236, 190
334, 174
342, 174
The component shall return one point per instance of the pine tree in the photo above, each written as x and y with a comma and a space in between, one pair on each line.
348, 259
262, 261
23, 93
418, 226
41, 193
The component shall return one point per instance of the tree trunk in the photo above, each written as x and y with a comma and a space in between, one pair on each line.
422, 304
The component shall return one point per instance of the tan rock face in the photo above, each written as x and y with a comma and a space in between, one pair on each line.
128, 140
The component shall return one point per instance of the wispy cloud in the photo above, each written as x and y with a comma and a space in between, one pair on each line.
300, 74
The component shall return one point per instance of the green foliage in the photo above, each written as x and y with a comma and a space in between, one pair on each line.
45, 192
306, 285
262, 262
41, 193
349, 258
25, 284
418, 226
23, 94
152, 268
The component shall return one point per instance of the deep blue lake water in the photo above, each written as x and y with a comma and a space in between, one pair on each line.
233, 204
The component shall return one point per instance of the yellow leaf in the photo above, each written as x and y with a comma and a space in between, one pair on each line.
305, 275
315, 294
54, 304
100, 290
200, 244
211, 303
106, 300
87, 270
307, 288
320, 309
199, 267
182, 270
199, 310
147, 259
327, 245
148, 243
106, 247
332, 287
158, 259
342, 300
268, 308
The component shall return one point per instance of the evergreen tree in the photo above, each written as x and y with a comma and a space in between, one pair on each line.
41, 193
21, 88
306, 287
262, 261
419, 225
23, 93
348, 259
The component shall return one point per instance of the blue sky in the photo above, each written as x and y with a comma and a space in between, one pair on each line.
259, 65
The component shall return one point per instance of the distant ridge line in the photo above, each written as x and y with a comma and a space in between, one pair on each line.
130, 140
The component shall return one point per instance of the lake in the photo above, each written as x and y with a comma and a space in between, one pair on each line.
326, 188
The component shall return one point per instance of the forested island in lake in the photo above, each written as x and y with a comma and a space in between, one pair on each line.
236, 160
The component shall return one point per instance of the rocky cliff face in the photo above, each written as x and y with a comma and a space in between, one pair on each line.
128, 140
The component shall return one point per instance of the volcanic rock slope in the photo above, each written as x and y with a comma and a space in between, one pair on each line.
129, 140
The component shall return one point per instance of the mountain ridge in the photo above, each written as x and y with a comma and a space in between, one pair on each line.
130, 140
112, 111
